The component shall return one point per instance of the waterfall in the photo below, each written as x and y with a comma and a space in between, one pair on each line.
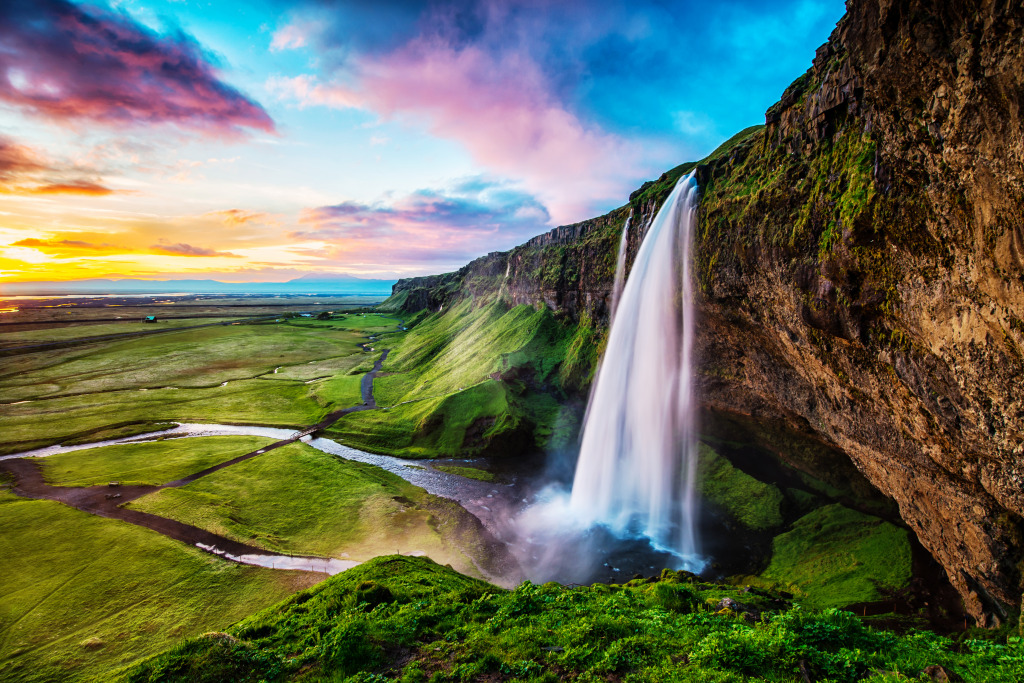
620, 266
638, 455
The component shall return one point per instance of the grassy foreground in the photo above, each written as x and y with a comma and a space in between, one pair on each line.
83, 596
411, 620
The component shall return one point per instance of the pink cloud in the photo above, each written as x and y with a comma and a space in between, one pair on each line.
501, 108
439, 228
66, 62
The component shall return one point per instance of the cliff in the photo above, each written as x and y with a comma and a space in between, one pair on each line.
861, 262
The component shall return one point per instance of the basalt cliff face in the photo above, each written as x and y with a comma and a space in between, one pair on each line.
861, 262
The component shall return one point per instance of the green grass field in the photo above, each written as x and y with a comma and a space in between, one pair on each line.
83, 595
300, 500
153, 462
86, 330
72, 394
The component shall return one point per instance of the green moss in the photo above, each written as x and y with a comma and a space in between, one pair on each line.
749, 502
835, 556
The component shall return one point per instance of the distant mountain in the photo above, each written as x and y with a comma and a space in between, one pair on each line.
314, 283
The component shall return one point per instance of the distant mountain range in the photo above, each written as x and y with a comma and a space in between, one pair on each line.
313, 283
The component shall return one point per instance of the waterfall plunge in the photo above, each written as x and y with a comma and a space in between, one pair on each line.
638, 457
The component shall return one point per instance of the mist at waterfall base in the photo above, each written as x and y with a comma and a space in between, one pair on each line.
632, 505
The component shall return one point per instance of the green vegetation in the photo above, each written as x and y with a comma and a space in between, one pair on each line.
468, 472
835, 556
458, 380
53, 333
83, 595
746, 500
656, 191
299, 500
216, 374
152, 462
411, 620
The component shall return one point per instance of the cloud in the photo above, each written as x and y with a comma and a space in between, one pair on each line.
81, 187
432, 226
182, 249
237, 217
68, 62
500, 109
578, 105
25, 171
59, 246
64, 246
16, 160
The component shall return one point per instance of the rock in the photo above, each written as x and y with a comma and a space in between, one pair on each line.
940, 675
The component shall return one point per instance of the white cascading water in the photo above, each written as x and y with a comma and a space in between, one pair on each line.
638, 457
620, 266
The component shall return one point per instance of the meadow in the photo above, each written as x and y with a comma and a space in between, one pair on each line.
287, 374
83, 595
149, 462
298, 500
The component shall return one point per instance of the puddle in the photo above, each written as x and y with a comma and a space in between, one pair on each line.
323, 565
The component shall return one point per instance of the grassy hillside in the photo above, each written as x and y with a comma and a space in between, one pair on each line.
411, 620
479, 377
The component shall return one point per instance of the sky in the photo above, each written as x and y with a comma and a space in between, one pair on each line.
262, 140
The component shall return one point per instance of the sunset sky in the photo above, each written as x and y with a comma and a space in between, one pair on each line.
261, 140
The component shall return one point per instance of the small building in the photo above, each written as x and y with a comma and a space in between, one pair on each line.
150, 319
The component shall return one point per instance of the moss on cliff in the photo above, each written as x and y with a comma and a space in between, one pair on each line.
747, 501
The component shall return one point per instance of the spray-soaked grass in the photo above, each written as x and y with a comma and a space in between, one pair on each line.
835, 556
83, 595
299, 500
410, 620
153, 462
